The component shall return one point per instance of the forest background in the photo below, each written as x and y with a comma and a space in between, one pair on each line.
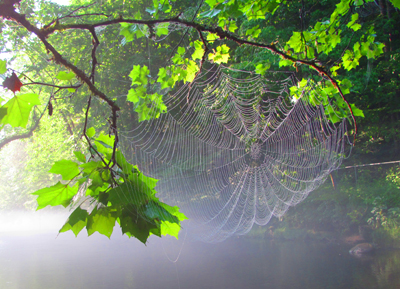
355, 42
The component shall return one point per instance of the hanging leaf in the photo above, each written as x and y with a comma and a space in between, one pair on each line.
66, 168
76, 221
90, 132
101, 220
80, 156
12, 83
3, 68
59, 194
19, 108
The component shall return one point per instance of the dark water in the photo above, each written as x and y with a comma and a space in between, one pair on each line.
32, 260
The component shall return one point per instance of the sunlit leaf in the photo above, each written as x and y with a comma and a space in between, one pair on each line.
80, 156
162, 29
59, 194
19, 108
262, 68
90, 132
396, 3
66, 168
221, 55
356, 111
102, 220
62, 75
76, 221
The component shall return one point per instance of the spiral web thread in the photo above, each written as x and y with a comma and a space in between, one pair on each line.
235, 150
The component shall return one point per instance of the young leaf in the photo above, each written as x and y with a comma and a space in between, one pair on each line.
80, 156
76, 221
356, 111
66, 168
62, 75
221, 56
91, 166
59, 194
262, 68
90, 132
199, 50
162, 29
101, 220
19, 108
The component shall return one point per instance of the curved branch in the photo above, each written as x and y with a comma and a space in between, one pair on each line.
42, 34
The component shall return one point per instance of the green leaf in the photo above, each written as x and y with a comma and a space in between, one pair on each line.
356, 111
136, 226
3, 67
212, 37
181, 50
80, 156
102, 220
59, 194
171, 229
285, 62
199, 50
191, 70
90, 132
211, 3
3, 113
396, 3
66, 168
162, 29
91, 166
295, 42
76, 221
343, 7
135, 94
130, 193
62, 75
19, 108
153, 210
221, 55
127, 168
107, 139
232, 27
139, 75
210, 13
254, 32
262, 68
71, 89
272, 6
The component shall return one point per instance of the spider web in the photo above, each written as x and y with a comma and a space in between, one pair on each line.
235, 149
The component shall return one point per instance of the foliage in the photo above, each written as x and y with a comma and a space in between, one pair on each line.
62, 58
121, 194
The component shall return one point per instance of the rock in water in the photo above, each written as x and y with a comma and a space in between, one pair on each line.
361, 249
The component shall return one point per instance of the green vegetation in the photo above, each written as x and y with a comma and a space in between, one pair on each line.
71, 71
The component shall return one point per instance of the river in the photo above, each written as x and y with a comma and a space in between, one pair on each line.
39, 259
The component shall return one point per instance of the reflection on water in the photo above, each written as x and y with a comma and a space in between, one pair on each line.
40, 260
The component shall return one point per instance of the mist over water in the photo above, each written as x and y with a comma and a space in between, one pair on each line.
33, 255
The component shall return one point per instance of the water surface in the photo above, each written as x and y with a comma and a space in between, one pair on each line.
41, 259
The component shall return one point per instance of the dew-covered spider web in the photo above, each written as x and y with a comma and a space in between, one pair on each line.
235, 149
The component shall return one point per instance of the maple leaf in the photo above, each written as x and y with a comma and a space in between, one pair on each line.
13, 83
